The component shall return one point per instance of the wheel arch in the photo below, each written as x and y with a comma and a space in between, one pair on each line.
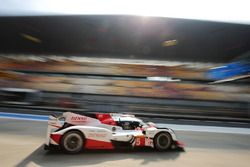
169, 131
158, 133
162, 132
73, 130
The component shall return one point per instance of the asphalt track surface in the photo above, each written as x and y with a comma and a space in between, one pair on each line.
21, 143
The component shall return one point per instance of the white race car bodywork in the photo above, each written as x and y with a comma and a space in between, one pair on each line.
106, 131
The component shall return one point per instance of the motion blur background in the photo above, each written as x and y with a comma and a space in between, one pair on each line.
156, 59
111, 62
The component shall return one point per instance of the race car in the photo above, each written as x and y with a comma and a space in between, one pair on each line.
73, 132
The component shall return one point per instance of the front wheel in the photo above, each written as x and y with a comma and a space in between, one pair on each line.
72, 142
162, 141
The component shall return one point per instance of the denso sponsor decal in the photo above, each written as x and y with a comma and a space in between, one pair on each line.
78, 118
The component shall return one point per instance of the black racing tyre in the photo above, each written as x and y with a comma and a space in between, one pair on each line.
72, 142
162, 141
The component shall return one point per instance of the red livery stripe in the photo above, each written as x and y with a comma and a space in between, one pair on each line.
96, 144
56, 137
105, 119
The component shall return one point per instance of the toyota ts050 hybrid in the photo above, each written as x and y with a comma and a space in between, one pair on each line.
73, 132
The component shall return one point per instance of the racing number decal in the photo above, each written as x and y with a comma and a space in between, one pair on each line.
140, 141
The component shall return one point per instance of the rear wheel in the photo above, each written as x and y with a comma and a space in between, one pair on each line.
72, 142
162, 141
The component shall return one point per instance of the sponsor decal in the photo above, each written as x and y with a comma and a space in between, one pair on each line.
79, 118
97, 135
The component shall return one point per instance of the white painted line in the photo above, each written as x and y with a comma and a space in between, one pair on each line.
24, 119
20, 116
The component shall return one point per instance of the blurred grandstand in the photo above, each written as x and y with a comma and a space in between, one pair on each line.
156, 67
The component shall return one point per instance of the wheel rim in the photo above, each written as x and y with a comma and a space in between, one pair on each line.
73, 142
163, 141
